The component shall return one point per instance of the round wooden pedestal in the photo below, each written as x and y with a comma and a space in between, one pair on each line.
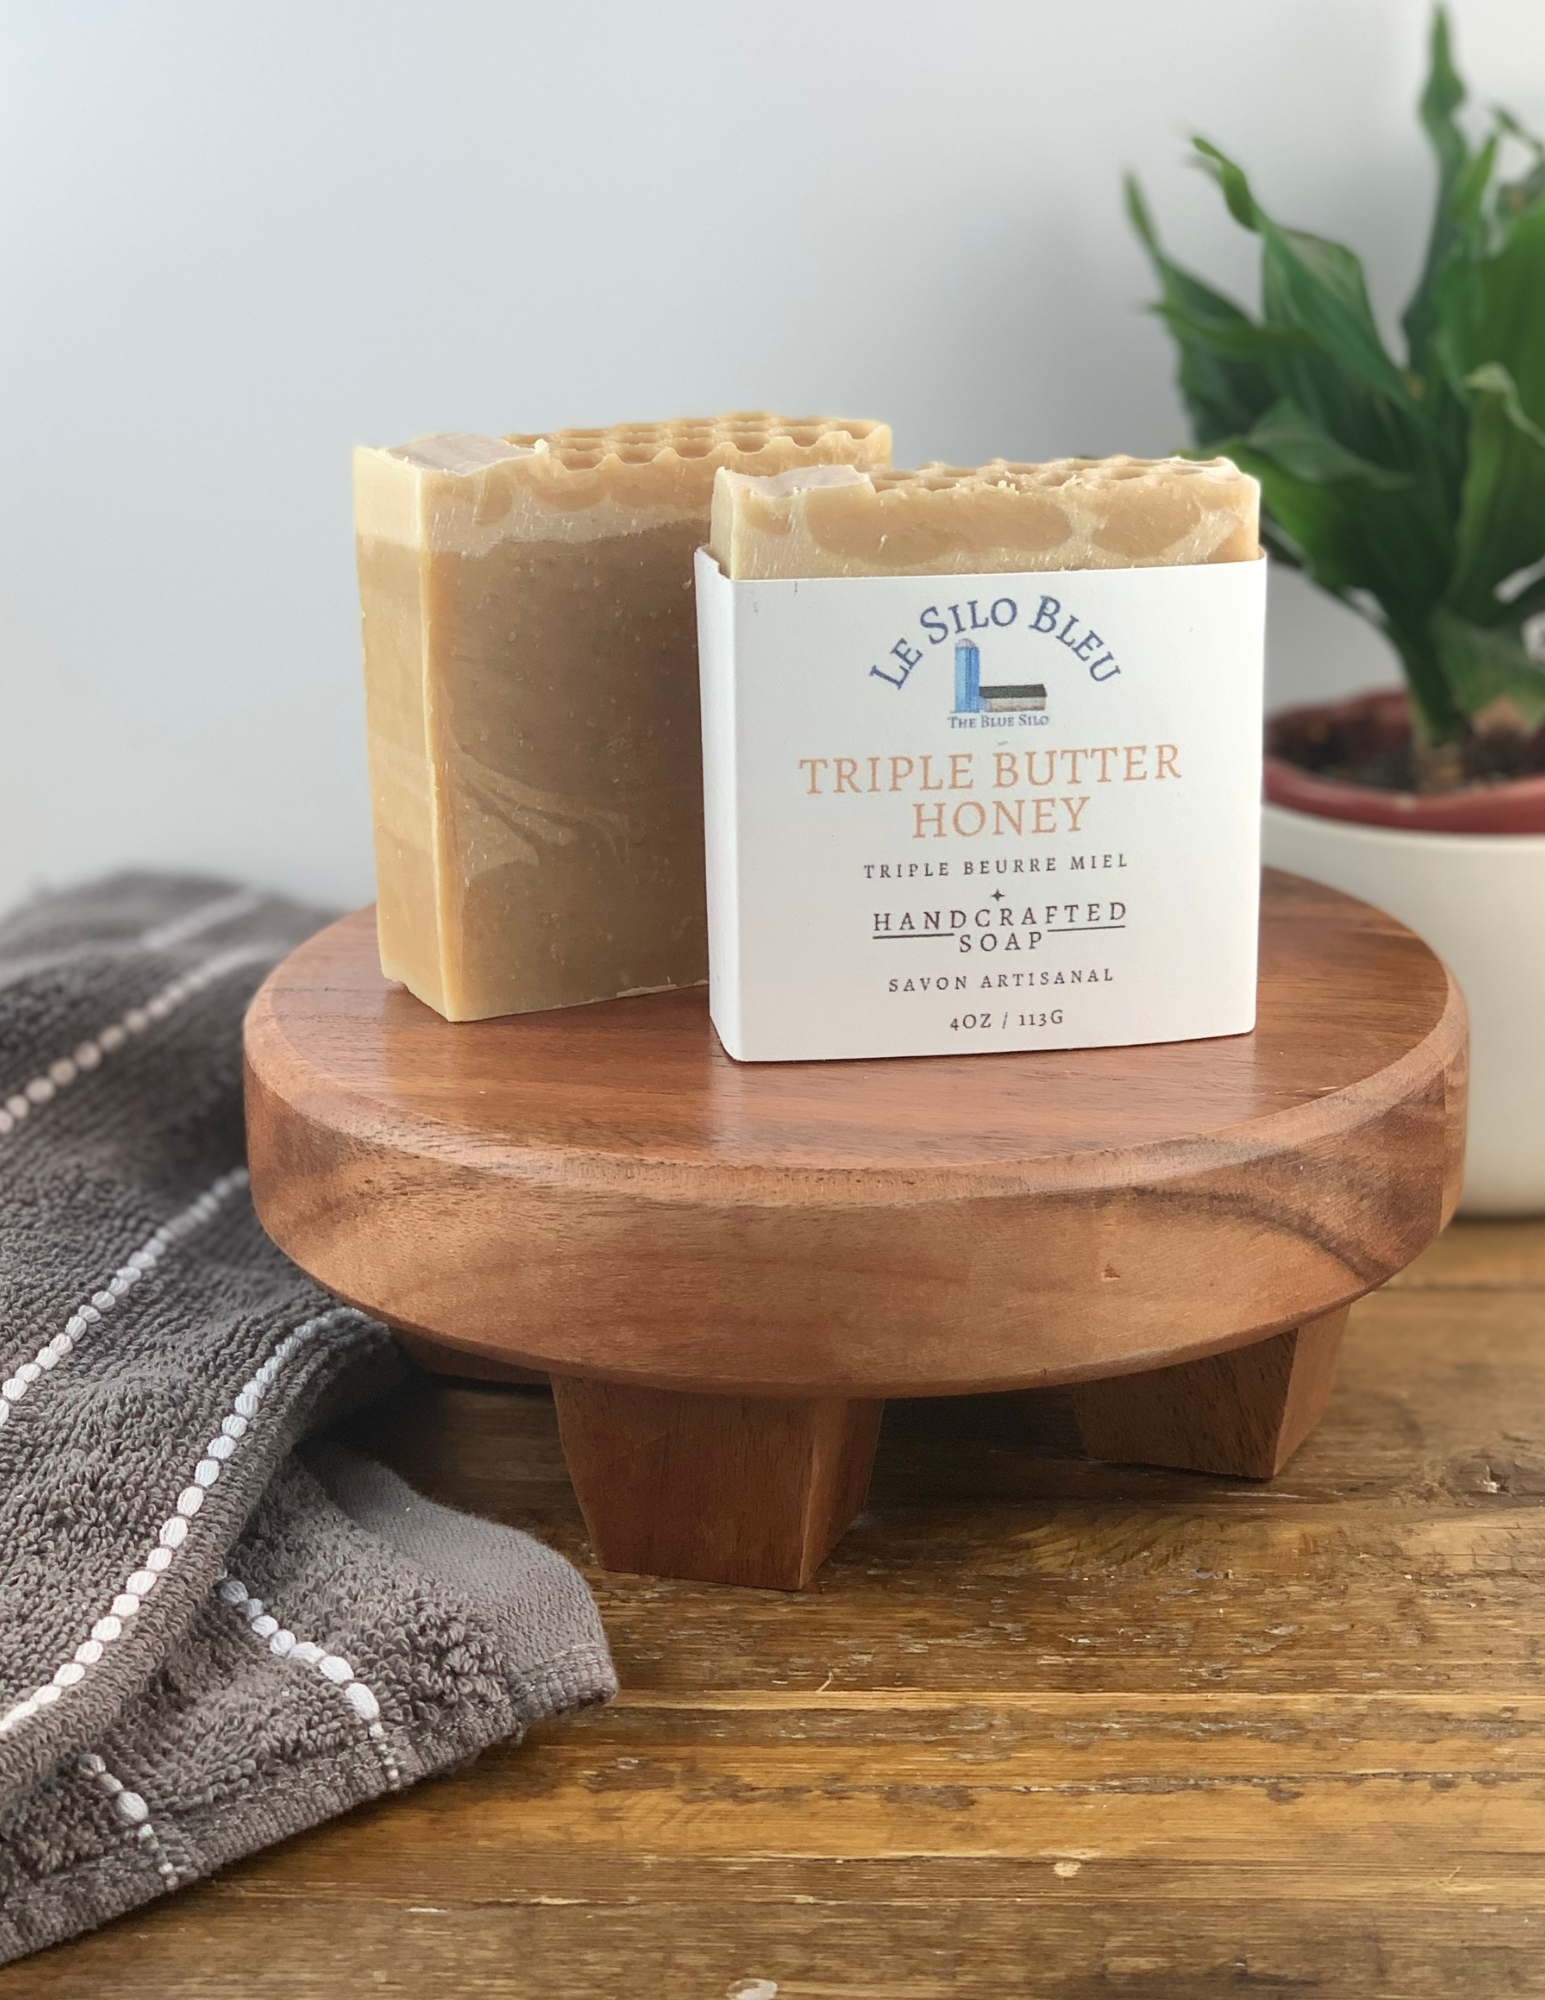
726, 1268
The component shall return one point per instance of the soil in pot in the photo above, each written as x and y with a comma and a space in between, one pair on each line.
1353, 760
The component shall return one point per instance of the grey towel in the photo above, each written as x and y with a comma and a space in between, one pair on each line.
208, 1638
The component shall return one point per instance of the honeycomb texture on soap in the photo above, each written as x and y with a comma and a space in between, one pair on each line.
462, 495
532, 700
1070, 513
718, 440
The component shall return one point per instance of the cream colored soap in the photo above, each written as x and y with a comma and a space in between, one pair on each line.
532, 699
1072, 513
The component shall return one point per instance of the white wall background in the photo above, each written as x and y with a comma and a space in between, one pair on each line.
235, 240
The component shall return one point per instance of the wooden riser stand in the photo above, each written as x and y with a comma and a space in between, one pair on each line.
725, 1270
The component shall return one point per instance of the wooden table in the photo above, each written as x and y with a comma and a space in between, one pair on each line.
1041, 1726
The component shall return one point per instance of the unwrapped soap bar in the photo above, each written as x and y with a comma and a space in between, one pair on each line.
1072, 513
532, 696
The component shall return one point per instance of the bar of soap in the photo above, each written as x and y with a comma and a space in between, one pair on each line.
1071, 513
532, 701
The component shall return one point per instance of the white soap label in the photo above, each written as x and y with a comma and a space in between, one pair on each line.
956, 814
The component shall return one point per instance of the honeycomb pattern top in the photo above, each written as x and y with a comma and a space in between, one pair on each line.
1070, 513
461, 493
714, 441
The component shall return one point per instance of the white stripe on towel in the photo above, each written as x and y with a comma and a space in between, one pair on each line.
174, 1530
137, 1265
176, 930
205, 917
87, 1055
132, 1813
332, 1667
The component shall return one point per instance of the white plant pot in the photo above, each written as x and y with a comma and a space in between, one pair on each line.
1479, 900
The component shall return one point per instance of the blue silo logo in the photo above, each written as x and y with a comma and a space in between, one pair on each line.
972, 698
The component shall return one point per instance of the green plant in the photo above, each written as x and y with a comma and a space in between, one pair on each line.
1415, 492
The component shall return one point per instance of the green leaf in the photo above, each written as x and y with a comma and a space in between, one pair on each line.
1232, 180
1348, 388
1506, 320
1183, 290
1300, 447
1441, 98
1492, 676
1515, 196
1223, 386
1349, 535
1234, 339
1313, 284
1319, 285
1437, 319
1493, 379
1501, 527
1458, 192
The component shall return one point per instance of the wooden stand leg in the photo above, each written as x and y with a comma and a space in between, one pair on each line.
1245, 1412
722, 1489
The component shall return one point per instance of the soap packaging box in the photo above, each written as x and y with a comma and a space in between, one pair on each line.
950, 815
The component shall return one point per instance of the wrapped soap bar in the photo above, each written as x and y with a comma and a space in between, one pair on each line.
981, 756
532, 700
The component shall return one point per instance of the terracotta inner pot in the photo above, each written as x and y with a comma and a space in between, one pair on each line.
1372, 731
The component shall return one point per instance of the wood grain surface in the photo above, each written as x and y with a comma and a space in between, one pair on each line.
602, 1192
1042, 1727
